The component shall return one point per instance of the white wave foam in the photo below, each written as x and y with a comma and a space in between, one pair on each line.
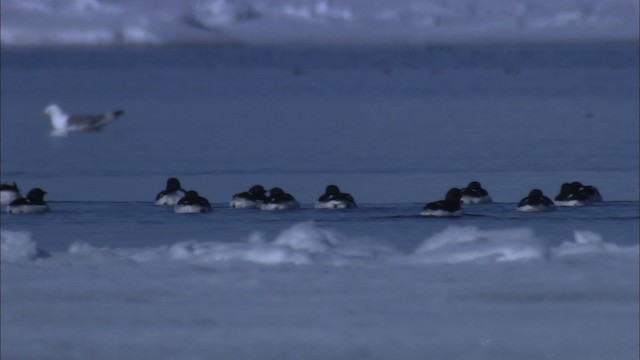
17, 246
457, 244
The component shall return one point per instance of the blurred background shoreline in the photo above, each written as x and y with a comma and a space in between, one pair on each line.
114, 23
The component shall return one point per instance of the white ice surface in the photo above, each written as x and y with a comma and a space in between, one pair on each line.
312, 293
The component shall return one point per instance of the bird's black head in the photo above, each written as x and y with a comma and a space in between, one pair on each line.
257, 190
192, 194
453, 195
276, 191
576, 186
474, 185
36, 194
9, 187
173, 184
566, 188
332, 190
535, 193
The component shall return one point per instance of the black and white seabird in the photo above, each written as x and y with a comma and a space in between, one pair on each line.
32, 204
249, 199
171, 194
475, 194
8, 193
333, 198
192, 203
63, 122
571, 194
279, 200
536, 201
450, 206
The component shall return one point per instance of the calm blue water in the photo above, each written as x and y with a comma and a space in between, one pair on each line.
395, 127
137, 224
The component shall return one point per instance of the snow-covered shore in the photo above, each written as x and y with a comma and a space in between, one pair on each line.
166, 22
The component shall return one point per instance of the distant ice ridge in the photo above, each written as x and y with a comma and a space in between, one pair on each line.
156, 22
307, 244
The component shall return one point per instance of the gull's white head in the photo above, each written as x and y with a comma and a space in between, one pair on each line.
53, 110
57, 116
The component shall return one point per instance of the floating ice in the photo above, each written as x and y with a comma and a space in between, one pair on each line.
590, 243
308, 244
217, 253
17, 246
306, 236
457, 244
300, 244
295, 245
129, 300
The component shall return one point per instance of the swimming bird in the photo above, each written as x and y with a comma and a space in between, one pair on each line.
571, 194
33, 203
475, 194
63, 122
536, 201
192, 203
450, 206
172, 193
590, 191
249, 199
8, 193
279, 200
333, 198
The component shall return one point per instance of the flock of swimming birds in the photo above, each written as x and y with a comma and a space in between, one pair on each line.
257, 197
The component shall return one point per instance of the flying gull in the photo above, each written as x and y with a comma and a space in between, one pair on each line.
64, 122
